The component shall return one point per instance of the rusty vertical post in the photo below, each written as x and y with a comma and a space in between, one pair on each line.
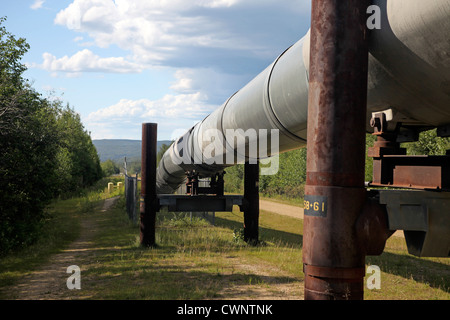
333, 260
251, 196
148, 205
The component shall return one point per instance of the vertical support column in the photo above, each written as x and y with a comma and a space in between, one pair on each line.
149, 200
136, 198
251, 196
333, 260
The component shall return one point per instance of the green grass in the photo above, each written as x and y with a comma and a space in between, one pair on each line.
195, 260
62, 227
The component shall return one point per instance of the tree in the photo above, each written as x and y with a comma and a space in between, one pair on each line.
109, 168
12, 89
80, 162
28, 144
428, 144
164, 147
44, 150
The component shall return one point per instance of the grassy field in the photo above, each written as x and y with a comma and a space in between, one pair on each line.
195, 260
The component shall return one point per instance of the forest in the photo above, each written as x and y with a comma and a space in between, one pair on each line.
46, 152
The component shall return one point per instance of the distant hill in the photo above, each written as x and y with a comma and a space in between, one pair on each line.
118, 149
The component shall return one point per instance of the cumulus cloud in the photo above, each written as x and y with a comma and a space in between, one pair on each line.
87, 61
187, 106
217, 85
181, 33
171, 112
230, 36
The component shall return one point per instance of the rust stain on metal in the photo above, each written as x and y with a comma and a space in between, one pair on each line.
332, 256
393, 168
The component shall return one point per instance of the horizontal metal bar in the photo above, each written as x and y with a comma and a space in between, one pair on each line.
200, 203
418, 172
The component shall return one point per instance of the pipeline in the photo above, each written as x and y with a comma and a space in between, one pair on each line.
409, 78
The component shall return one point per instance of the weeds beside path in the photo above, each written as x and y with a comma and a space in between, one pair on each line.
49, 281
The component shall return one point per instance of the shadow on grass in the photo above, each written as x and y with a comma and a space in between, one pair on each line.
436, 274
174, 282
281, 238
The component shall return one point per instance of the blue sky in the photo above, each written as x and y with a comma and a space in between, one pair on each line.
125, 62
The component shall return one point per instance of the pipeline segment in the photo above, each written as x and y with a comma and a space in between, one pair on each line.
409, 75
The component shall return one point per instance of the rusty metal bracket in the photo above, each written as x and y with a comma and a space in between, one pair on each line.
393, 168
416, 172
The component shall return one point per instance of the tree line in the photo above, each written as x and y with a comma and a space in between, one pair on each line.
45, 150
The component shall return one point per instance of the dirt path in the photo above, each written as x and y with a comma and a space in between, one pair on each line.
49, 281
281, 208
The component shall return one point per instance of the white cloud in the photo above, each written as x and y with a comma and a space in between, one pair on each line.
87, 61
173, 113
218, 86
37, 4
187, 106
229, 36
173, 32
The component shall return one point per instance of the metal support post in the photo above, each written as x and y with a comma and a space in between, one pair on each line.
333, 260
149, 201
251, 208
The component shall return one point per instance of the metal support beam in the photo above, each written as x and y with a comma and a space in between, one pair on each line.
149, 201
393, 168
251, 198
335, 194
200, 203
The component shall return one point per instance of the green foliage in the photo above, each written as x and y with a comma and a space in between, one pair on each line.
370, 140
234, 179
238, 235
428, 144
291, 176
44, 150
80, 164
109, 168
162, 149
288, 181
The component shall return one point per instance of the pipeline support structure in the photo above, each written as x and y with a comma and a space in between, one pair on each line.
332, 258
337, 83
